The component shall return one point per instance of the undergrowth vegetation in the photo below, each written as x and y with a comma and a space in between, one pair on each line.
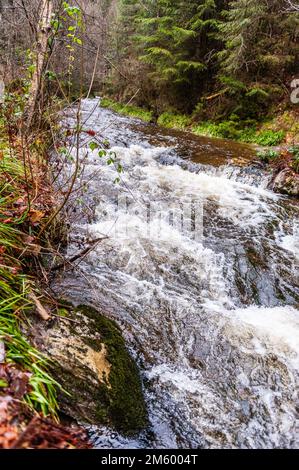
29, 212
294, 151
268, 156
286, 158
243, 132
19, 221
249, 131
174, 120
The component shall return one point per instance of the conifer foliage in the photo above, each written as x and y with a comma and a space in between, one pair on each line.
185, 51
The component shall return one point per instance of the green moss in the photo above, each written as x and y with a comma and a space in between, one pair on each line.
119, 403
127, 408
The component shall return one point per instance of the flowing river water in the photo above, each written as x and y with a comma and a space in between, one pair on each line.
200, 270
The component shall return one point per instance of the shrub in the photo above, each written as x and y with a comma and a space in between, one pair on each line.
269, 137
228, 130
268, 156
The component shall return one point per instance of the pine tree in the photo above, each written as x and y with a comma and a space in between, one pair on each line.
172, 39
242, 22
259, 35
177, 52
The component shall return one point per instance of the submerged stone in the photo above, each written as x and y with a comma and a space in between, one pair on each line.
100, 378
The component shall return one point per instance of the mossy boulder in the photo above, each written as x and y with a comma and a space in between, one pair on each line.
96, 370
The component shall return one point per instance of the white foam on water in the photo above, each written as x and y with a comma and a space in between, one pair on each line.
289, 242
179, 378
239, 202
154, 253
146, 180
275, 329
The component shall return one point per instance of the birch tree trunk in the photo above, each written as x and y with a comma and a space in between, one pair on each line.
41, 52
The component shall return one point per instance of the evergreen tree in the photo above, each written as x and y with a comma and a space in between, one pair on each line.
260, 37
169, 43
178, 53
172, 39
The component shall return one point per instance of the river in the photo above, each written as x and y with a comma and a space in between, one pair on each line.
200, 270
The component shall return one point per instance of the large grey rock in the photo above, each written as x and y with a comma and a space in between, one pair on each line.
93, 366
286, 182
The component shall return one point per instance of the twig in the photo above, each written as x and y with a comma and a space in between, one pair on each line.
79, 255
94, 72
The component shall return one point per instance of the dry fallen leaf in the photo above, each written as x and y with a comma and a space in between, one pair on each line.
36, 216
33, 249
19, 201
28, 240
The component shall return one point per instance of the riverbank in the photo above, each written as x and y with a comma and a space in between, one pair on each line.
28, 393
283, 163
26, 202
278, 130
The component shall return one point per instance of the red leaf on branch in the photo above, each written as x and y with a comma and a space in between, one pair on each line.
91, 133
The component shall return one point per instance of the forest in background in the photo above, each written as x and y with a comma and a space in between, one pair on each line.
178, 53
216, 66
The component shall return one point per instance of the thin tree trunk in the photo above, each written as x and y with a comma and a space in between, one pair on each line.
41, 51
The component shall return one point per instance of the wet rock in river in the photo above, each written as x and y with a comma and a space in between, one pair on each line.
286, 182
95, 369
